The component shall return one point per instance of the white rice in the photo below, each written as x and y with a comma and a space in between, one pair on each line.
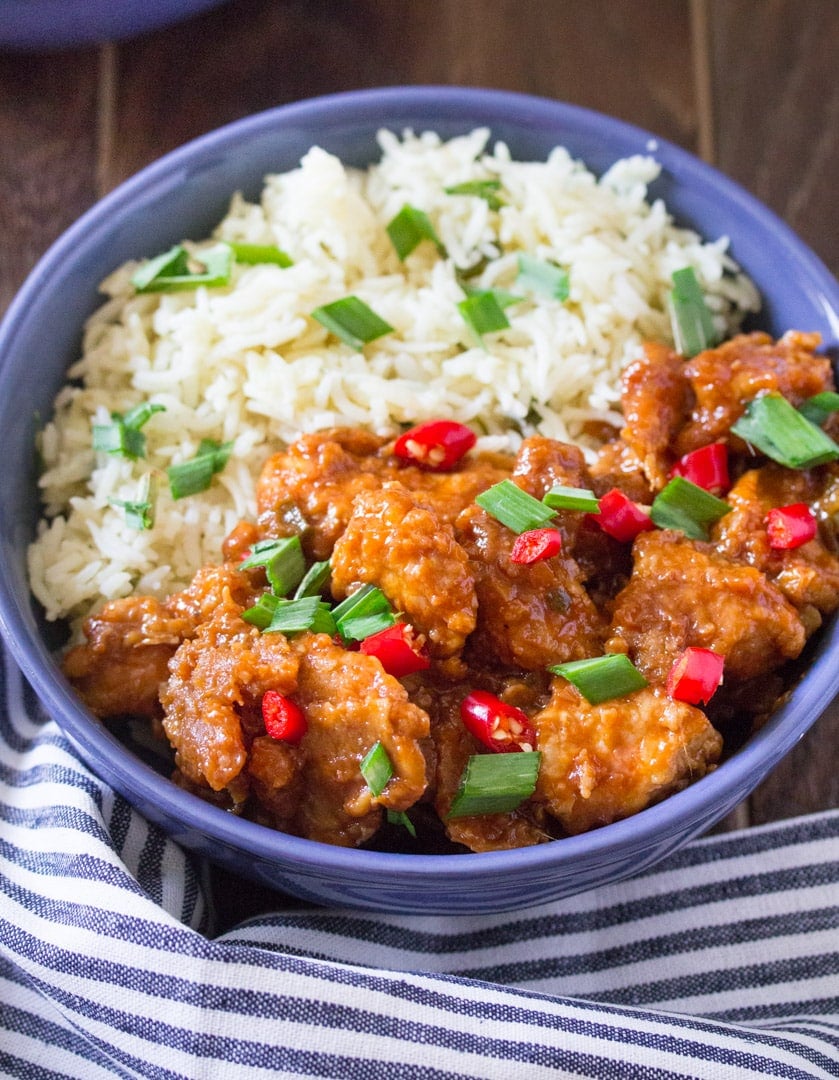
247, 363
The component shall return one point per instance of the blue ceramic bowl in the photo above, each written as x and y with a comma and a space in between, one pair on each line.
57, 24
186, 194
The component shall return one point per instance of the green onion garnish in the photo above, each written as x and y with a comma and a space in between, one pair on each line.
116, 438
190, 477
687, 507
818, 407
784, 434
351, 320
283, 561
253, 254
544, 277
263, 611
359, 627
601, 678
399, 817
274, 615
568, 498
513, 507
693, 327
177, 269
366, 607
123, 435
314, 580
495, 783
483, 189
376, 768
139, 512
409, 228
483, 313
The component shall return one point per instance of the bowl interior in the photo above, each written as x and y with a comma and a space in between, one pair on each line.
184, 195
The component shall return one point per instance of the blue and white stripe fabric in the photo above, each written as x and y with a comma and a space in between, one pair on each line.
721, 962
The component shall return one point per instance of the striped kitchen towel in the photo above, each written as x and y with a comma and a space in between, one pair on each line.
722, 961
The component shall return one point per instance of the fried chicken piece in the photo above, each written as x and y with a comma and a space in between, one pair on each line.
807, 575
119, 669
683, 592
395, 542
528, 616
215, 678
617, 465
350, 704
724, 380
545, 463
604, 762
309, 489
655, 400
454, 746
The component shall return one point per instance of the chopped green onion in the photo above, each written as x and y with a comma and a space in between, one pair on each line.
253, 254
139, 513
308, 613
376, 768
399, 817
283, 561
687, 507
367, 600
502, 297
569, 498
274, 615
693, 327
483, 313
314, 580
818, 407
354, 613
190, 477
123, 435
544, 277
781, 432
116, 438
409, 228
513, 507
483, 189
263, 611
140, 415
601, 678
495, 783
359, 627
175, 269
351, 320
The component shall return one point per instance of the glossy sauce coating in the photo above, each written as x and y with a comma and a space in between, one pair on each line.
192, 664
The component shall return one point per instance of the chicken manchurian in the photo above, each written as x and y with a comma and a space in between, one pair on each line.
473, 616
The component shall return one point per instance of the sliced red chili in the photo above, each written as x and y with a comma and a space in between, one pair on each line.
499, 726
435, 444
536, 544
283, 719
397, 649
706, 467
620, 517
790, 526
695, 676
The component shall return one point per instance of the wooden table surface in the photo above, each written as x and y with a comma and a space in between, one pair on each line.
750, 85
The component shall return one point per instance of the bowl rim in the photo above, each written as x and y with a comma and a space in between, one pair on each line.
672, 817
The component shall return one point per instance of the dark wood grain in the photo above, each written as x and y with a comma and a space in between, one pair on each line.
776, 120
253, 54
776, 109
750, 84
48, 154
